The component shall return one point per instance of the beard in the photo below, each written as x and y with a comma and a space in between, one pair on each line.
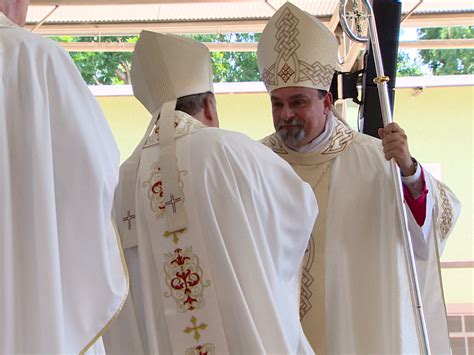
291, 136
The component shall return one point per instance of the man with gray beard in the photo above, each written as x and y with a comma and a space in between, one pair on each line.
355, 288
291, 132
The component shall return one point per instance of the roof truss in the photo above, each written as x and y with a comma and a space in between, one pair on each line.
221, 26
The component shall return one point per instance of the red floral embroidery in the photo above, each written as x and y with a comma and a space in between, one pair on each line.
180, 259
155, 190
206, 349
201, 350
184, 279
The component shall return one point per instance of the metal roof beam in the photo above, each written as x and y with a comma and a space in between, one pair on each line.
438, 44
440, 20
128, 47
121, 29
126, 2
252, 47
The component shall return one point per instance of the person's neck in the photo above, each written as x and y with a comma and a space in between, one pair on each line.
15, 11
6, 19
320, 141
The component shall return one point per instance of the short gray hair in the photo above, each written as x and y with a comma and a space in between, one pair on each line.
192, 104
322, 93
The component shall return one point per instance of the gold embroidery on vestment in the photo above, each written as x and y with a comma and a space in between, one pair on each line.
307, 280
340, 139
274, 143
195, 328
446, 212
183, 124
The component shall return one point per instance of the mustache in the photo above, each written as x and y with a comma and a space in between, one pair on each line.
292, 122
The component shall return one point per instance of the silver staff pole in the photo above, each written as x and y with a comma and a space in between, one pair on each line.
381, 80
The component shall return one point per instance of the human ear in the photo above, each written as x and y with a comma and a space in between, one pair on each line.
328, 101
210, 111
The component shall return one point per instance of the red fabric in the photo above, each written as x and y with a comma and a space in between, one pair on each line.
418, 205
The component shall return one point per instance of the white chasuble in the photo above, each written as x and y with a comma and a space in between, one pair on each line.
229, 283
62, 277
368, 305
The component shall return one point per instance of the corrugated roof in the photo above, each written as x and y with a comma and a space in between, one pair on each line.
163, 12
151, 12
215, 11
438, 6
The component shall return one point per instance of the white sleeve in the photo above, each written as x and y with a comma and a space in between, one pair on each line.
442, 210
420, 234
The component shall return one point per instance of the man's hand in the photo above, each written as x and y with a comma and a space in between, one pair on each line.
395, 145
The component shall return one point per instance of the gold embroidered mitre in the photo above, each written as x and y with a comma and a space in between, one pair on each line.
296, 49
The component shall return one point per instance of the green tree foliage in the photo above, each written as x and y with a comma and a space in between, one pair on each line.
106, 68
407, 66
110, 68
232, 66
448, 61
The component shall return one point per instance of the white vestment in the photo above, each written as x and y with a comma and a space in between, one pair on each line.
62, 273
367, 307
250, 218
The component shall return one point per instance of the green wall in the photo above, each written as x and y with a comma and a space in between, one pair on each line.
438, 122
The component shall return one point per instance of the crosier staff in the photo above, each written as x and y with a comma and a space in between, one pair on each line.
381, 80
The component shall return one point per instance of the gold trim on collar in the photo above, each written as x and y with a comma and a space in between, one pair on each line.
183, 124
274, 143
340, 139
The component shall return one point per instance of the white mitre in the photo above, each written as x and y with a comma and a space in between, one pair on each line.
296, 50
165, 68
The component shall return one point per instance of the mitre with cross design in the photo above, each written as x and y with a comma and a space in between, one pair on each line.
296, 50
